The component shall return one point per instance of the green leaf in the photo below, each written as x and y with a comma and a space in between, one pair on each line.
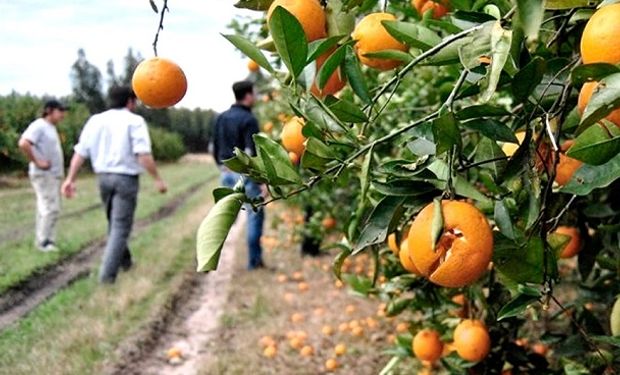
320, 149
592, 72
290, 40
359, 284
329, 66
529, 17
573, 367
615, 341
320, 46
214, 229
491, 128
347, 111
380, 222
390, 54
279, 167
520, 263
567, 4
250, 50
516, 306
412, 34
339, 21
597, 144
462, 187
316, 112
253, 4
154, 6
345, 252
526, 80
590, 177
403, 187
488, 150
221, 192
354, 75
500, 50
437, 223
502, 219
605, 98
446, 133
483, 110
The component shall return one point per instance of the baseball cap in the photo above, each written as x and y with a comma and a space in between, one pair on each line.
55, 104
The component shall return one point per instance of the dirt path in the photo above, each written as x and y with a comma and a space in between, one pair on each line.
24, 297
188, 323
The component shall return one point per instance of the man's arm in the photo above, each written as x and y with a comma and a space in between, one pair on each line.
148, 163
68, 186
251, 128
26, 146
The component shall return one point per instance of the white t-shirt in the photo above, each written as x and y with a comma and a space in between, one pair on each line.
113, 140
46, 146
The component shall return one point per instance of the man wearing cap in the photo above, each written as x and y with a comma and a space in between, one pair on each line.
41, 145
118, 145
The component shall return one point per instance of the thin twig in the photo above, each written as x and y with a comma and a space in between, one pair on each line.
556, 219
164, 9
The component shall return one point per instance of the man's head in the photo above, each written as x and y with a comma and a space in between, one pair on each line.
244, 93
54, 111
122, 97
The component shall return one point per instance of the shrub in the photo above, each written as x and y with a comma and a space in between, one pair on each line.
167, 146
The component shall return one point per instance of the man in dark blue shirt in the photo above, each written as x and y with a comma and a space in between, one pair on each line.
235, 128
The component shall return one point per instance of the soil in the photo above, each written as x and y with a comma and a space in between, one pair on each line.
25, 296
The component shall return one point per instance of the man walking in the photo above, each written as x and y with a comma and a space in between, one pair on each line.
117, 143
41, 145
235, 128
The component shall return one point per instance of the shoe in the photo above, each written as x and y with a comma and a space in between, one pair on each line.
47, 247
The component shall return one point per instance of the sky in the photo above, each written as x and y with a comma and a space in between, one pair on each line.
39, 40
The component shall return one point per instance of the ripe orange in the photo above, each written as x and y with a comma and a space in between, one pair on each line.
292, 138
405, 258
328, 223
327, 330
402, 327
567, 166
460, 299
584, 98
159, 82
540, 348
371, 36
174, 352
334, 84
293, 157
574, 244
392, 245
296, 343
427, 345
253, 66
309, 13
267, 341
303, 286
357, 331
350, 309
270, 351
307, 351
340, 349
600, 38
297, 318
331, 364
471, 340
439, 9
268, 127
463, 251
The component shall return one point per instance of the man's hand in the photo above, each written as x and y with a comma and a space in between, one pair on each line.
264, 191
68, 188
161, 186
42, 164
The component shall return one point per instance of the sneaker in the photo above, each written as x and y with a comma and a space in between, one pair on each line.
48, 246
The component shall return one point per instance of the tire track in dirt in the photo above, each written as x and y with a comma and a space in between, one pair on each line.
188, 321
22, 298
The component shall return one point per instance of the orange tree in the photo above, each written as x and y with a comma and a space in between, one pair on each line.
458, 120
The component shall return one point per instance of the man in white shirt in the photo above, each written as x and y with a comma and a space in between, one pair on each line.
118, 145
41, 145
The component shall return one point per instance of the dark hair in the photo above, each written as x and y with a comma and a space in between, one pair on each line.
119, 96
242, 88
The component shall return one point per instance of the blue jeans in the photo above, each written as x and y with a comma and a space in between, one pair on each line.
255, 218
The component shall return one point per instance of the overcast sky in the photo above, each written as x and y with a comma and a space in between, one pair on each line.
39, 40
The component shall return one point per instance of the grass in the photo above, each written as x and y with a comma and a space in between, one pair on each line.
21, 259
261, 304
78, 330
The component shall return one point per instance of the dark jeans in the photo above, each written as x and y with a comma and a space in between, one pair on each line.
119, 195
255, 219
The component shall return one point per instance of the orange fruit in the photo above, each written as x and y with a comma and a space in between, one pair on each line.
334, 84
343, 327
292, 137
392, 244
350, 309
297, 276
460, 299
357, 331
600, 41
574, 244
159, 82
447, 349
270, 351
471, 340
268, 127
307, 351
340, 349
463, 251
327, 330
294, 158
297, 318
509, 149
402, 327
371, 36
427, 345
405, 258
567, 166
303, 286
331, 364
584, 98
309, 13
296, 343
267, 341
282, 278
422, 6
174, 352
328, 223
253, 66
540, 348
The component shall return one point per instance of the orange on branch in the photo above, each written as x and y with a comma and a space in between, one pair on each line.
159, 82
471, 340
292, 137
309, 13
334, 84
427, 345
371, 36
574, 244
463, 251
600, 40
439, 9
567, 166
584, 98
253, 66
